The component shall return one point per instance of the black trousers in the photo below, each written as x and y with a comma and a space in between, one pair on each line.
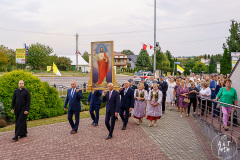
109, 116
21, 123
126, 117
194, 102
209, 106
163, 103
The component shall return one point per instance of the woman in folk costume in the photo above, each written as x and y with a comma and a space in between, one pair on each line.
154, 105
141, 97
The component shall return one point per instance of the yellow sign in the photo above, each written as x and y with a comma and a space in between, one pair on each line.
49, 68
168, 73
20, 53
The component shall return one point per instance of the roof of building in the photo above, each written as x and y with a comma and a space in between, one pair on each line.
133, 57
81, 61
118, 54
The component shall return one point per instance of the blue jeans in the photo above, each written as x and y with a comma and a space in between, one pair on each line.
95, 118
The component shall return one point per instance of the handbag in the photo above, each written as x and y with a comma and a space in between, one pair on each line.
186, 100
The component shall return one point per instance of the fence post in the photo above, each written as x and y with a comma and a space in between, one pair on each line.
212, 113
231, 125
220, 121
206, 109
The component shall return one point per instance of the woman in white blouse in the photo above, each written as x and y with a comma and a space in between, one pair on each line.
205, 93
154, 105
170, 98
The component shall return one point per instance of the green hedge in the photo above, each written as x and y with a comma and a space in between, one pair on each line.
45, 101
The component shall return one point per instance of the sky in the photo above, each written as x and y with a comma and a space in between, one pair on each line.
184, 27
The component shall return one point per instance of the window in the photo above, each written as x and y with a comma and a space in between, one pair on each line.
122, 60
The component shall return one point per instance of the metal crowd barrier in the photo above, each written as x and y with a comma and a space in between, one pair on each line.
217, 115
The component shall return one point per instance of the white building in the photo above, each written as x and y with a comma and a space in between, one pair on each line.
83, 66
205, 61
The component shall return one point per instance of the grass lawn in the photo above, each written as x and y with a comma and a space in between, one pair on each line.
52, 120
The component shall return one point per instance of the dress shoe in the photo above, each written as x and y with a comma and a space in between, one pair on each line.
109, 137
95, 124
23, 136
123, 127
15, 139
73, 132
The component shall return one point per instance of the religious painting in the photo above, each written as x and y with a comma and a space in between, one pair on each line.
102, 63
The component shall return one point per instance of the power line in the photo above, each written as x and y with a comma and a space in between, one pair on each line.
113, 33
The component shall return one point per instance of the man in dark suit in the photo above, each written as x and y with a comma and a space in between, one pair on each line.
112, 108
131, 84
126, 104
163, 86
95, 103
73, 98
212, 86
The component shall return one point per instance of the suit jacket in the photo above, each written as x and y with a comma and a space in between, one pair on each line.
212, 86
127, 100
112, 103
74, 102
95, 98
133, 87
163, 87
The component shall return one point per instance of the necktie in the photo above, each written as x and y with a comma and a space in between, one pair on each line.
110, 94
72, 92
125, 91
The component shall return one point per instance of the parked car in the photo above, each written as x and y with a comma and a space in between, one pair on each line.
145, 74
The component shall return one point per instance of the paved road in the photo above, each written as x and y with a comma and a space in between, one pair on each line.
65, 81
173, 138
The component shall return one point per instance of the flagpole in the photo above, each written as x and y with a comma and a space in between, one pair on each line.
154, 67
53, 78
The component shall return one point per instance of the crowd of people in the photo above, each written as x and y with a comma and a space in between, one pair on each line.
147, 99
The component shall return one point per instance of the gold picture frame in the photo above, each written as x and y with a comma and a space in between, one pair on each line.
97, 81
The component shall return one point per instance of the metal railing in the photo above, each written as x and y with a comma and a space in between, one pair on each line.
62, 90
217, 115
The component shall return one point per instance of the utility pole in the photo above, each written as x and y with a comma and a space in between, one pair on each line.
76, 52
154, 67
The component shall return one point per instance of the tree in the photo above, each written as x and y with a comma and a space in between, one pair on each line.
4, 59
52, 59
208, 56
143, 60
232, 45
9, 53
205, 56
63, 63
199, 67
38, 55
225, 65
127, 52
85, 56
212, 65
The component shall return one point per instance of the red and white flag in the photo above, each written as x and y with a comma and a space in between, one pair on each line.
144, 46
151, 47
78, 53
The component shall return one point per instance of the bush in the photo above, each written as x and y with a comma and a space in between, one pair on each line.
2, 111
45, 101
3, 123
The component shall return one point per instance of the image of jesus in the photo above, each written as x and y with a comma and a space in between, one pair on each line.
103, 66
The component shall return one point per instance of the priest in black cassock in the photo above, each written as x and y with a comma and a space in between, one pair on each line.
21, 104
